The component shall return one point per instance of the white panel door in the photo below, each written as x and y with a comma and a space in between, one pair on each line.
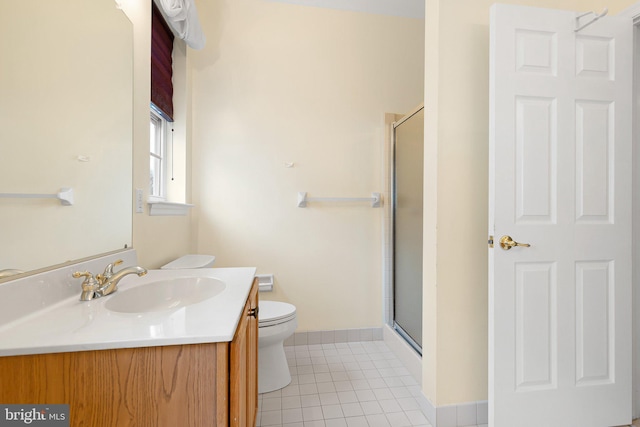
560, 180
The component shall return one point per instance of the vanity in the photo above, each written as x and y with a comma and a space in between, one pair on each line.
176, 358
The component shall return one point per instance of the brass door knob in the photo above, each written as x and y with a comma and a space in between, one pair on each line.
506, 243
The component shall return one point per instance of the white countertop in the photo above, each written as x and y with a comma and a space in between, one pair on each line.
74, 325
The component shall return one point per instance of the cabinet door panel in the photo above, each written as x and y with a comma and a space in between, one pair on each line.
252, 359
244, 366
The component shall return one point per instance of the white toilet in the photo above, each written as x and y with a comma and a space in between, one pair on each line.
190, 261
276, 322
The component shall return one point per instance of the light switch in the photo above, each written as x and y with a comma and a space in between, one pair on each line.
139, 200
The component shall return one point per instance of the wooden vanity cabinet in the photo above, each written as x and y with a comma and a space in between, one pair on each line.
244, 366
195, 385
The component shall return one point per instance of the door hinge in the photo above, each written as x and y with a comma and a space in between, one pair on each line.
490, 241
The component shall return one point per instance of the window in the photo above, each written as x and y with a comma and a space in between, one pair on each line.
167, 177
157, 152
161, 115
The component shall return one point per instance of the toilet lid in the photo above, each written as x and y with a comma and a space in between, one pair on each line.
275, 312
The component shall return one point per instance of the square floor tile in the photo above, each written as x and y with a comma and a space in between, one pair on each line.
347, 396
340, 376
371, 407
291, 402
323, 377
345, 384
352, 409
272, 404
379, 421
365, 395
320, 368
304, 369
332, 411
408, 404
360, 384
390, 405
383, 393
271, 418
338, 422
326, 387
398, 419
357, 422
309, 400
416, 418
312, 413
308, 389
291, 390
400, 392
291, 415
329, 399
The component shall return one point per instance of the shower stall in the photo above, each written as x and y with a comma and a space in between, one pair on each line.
406, 226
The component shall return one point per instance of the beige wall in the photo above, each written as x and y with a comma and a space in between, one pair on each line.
157, 239
282, 83
456, 181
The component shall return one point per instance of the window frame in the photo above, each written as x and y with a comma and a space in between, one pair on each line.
160, 124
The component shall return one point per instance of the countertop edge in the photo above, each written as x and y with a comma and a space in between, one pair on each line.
82, 344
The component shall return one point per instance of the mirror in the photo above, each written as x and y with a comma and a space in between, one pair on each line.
66, 87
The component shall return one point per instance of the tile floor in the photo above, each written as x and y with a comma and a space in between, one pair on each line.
354, 384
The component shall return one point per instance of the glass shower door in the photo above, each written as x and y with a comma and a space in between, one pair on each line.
407, 227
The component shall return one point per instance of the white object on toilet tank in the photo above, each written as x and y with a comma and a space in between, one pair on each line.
190, 261
265, 282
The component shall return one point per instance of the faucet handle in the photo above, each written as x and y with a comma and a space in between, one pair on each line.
89, 281
79, 274
108, 270
89, 285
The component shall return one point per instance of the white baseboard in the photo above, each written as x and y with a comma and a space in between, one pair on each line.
460, 415
337, 336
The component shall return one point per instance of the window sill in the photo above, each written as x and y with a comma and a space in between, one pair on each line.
160, 208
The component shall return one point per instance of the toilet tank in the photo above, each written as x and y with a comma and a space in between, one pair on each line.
190, 261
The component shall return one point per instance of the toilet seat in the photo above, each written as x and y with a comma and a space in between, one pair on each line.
274, 313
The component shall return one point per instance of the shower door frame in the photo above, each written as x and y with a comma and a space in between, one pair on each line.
392, 218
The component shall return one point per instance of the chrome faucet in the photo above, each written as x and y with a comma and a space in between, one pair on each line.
105, 283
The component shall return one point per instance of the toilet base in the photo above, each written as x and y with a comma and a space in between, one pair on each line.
273, 370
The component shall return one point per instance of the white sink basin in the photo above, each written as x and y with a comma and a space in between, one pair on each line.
164, 295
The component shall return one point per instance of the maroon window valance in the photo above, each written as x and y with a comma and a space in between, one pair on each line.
161, 64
